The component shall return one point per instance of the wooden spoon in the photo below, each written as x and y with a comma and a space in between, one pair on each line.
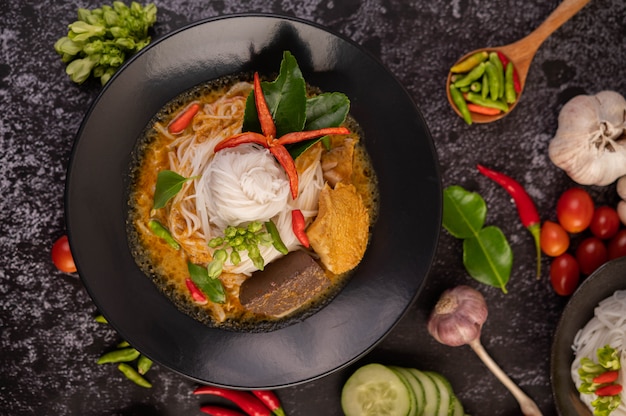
522, 52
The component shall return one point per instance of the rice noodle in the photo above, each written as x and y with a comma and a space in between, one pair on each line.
607, 327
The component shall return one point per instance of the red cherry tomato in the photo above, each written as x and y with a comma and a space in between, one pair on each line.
605, 222
554, 239
617, 245
574, 210
564, 274
591, 254
62, 256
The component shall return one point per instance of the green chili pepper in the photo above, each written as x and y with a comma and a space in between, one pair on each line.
476, 86
494, 80
469, 63
456, 77
486, 102
485, 87
460, 103
472, 76
123, 344
277, 242
143, 364
160, 231
509, 87
495, 60
121, 355
101, 319
133, 375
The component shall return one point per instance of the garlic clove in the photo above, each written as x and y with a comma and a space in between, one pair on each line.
621, 187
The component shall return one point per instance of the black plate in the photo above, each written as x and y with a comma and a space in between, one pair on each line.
579, 310
387, 280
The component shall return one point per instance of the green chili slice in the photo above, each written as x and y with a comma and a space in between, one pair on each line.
143, 364
509, 88
277, 242
160, 231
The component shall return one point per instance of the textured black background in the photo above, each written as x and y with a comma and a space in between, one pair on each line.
48, 339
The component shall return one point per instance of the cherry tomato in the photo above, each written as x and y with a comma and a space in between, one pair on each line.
574, 210
605, 222
564, 274
554, 239
62, 256
617, 245
591, 254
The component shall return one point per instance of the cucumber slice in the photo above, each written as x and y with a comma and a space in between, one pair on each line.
458, 407
375, 390
445, 393
416, 388
431, 392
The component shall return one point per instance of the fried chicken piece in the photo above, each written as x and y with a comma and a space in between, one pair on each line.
339, 234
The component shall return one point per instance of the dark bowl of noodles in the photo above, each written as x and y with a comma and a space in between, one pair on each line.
336, 329
599, 303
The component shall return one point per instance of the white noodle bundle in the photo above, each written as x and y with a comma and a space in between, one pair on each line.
243, 184
607, 327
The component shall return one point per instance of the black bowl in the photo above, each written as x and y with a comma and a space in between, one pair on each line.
386, 282
579, 310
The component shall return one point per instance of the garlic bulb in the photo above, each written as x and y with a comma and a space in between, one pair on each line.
458, 316
590, 141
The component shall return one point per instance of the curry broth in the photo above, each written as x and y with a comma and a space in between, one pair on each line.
167, 266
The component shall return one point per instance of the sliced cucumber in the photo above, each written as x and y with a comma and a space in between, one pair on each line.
458, 407
416, 387
445, 393
375, 390
431, 393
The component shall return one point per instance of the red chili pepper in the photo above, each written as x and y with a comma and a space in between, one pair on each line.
606, 377
298, 225
245, 400
196, 294
182, 121
276, 145
516, 82
270, 400
525, 206
610, 390
220, 411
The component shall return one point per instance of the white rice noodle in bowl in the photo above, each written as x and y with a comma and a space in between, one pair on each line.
607, 327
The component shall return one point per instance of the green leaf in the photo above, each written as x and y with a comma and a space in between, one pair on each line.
213, 288
326, 110
488, 257
285, 97
464, 212
168, 184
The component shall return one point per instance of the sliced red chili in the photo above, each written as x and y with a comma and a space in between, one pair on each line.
182, 121
284, 158
606, 377
196, 294
298, 224
265, 116
610, 390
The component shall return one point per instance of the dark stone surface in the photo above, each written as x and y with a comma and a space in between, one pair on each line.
49, 341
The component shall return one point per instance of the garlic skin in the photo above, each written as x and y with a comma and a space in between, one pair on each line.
590, 141
458, 316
